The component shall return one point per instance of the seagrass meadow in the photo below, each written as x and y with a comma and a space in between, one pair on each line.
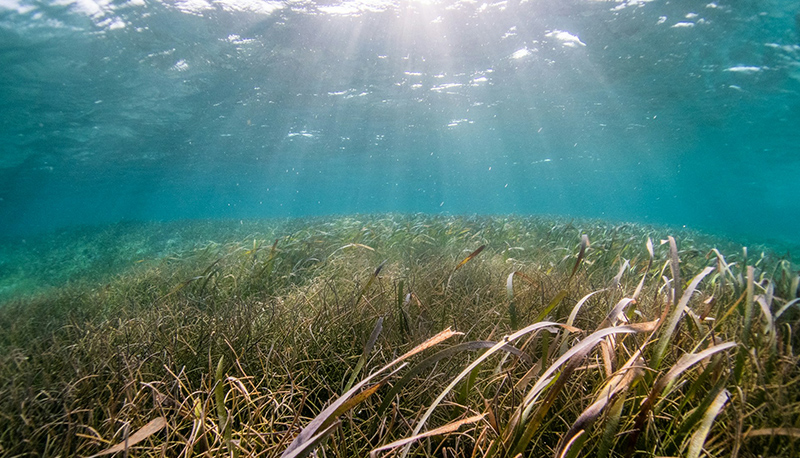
397, 335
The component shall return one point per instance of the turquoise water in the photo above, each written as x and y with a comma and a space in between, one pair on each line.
682, 113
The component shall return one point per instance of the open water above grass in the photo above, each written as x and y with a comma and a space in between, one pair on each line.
676, 113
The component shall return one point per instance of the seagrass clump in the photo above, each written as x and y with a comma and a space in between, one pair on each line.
406, 335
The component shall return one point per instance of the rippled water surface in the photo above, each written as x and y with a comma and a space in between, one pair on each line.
669, 112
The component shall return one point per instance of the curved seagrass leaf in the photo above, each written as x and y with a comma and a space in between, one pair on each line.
666, 334
497, 347
355, 400
675, 267
644, 275
568, 452
570, 360
365, 354
684, 363
369, 282
448, 428
616, 315
699, 437
309, 433
790, 432
786, 307
690, 421
618, 277
155, 425
579, 349
553, 303
308, 446
613, 416
723, 267
617, 383
584, 245
577, 307
748, 306
571, 320
769, 326
443, 354
219, 398
470, 257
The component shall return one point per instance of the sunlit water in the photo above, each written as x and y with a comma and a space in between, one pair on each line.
669, 112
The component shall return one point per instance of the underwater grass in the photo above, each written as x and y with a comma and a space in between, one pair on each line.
404, 335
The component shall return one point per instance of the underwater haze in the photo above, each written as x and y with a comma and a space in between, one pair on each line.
682, 113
